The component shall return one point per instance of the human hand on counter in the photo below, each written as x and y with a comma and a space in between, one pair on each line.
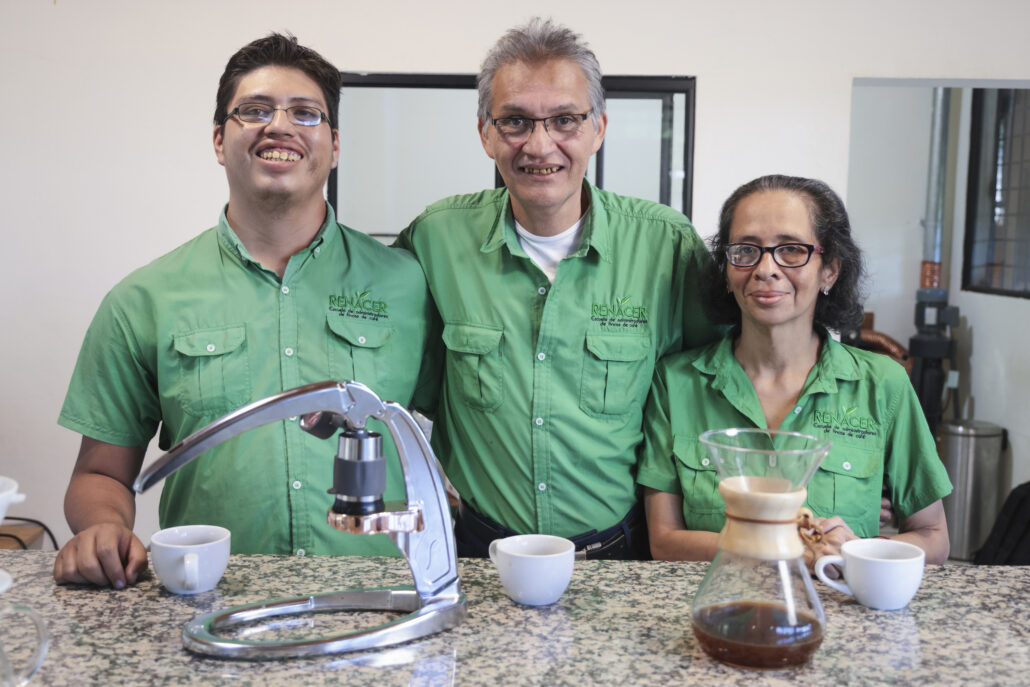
834, 533
886, 511
105, 554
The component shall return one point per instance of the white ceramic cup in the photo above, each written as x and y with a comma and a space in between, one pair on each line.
8, 495
881, 573
535, 569
190, 559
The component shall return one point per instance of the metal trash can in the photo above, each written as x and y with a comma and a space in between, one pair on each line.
971, 451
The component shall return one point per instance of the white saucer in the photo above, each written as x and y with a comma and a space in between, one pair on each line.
5, 581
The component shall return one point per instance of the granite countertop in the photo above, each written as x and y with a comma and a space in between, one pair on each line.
621, 623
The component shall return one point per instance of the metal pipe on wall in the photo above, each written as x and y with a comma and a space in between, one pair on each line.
933, 218
932, 343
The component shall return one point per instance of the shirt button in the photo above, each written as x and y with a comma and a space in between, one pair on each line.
539, 421
542, 486
301, 552
297, 484
541, 356
797, 410
705, 461
293, 418
318, 249
210, 348
846, 465
288, 351
361, 340
286, 289
542, 290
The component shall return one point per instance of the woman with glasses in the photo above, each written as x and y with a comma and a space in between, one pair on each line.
786, 274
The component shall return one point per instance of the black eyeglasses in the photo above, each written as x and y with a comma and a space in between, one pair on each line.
261, 113
785, 254
560, 127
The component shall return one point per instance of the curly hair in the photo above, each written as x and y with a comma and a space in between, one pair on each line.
841, 310
278, 50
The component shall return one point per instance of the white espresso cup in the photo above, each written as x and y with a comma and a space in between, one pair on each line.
190, 559
883, 574
535, 569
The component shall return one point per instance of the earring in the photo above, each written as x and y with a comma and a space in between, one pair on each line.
826, 290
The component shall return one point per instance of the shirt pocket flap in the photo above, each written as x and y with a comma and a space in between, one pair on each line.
359, 333
208, 342
852, 462
619, 348
691, 452
467, 338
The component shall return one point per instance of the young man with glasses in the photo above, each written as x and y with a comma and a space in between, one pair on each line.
556, 299
275, 296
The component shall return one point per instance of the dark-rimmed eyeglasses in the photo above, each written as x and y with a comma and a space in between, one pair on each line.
261, 113
785, 254
560, 127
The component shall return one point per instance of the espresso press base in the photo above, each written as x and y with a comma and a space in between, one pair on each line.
442, 612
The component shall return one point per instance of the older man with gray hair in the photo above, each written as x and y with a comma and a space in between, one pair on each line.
555, 299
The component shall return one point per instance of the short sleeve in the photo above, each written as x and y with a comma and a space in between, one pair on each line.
915, 474
112, 395
655, 468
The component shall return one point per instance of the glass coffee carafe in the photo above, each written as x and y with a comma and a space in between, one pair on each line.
757, 606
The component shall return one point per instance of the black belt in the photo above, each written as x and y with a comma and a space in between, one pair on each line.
626, 540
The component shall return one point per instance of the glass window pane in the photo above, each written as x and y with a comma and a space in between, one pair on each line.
402, 149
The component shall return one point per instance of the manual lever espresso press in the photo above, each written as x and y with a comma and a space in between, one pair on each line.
420, 526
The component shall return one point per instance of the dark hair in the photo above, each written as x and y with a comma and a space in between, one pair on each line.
538, 41
281, 51
841, 310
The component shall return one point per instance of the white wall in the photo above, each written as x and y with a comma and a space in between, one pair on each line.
886, 195
105, 110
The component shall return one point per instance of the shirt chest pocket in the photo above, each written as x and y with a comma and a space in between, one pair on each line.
703, 507
849, 483
616, 374
213, 371
358, 352
475, 369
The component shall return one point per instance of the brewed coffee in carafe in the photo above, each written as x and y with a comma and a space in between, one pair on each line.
757, 606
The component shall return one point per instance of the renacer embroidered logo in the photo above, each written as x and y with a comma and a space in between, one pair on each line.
619, 313
619, 308
846, 418
845, 423
360, 304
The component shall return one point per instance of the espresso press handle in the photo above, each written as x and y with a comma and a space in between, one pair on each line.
350, 400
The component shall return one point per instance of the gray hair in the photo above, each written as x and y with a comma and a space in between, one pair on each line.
538, 41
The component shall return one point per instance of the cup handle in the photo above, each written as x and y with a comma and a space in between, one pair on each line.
191, 564
493, 551
821, 564
41, 647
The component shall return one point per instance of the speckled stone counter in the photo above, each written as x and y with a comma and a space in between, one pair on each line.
618, 623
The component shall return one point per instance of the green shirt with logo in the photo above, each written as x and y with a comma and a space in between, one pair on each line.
861, 401
544, 384
206, 329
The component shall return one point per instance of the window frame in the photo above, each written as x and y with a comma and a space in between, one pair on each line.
973, 198
639, 87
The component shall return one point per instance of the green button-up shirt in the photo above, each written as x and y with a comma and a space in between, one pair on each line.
544, 384
863, 402
206, 329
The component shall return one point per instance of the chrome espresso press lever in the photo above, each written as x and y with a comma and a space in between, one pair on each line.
420, 526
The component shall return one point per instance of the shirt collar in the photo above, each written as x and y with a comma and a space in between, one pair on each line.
595, 234
835, 363
231, 242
